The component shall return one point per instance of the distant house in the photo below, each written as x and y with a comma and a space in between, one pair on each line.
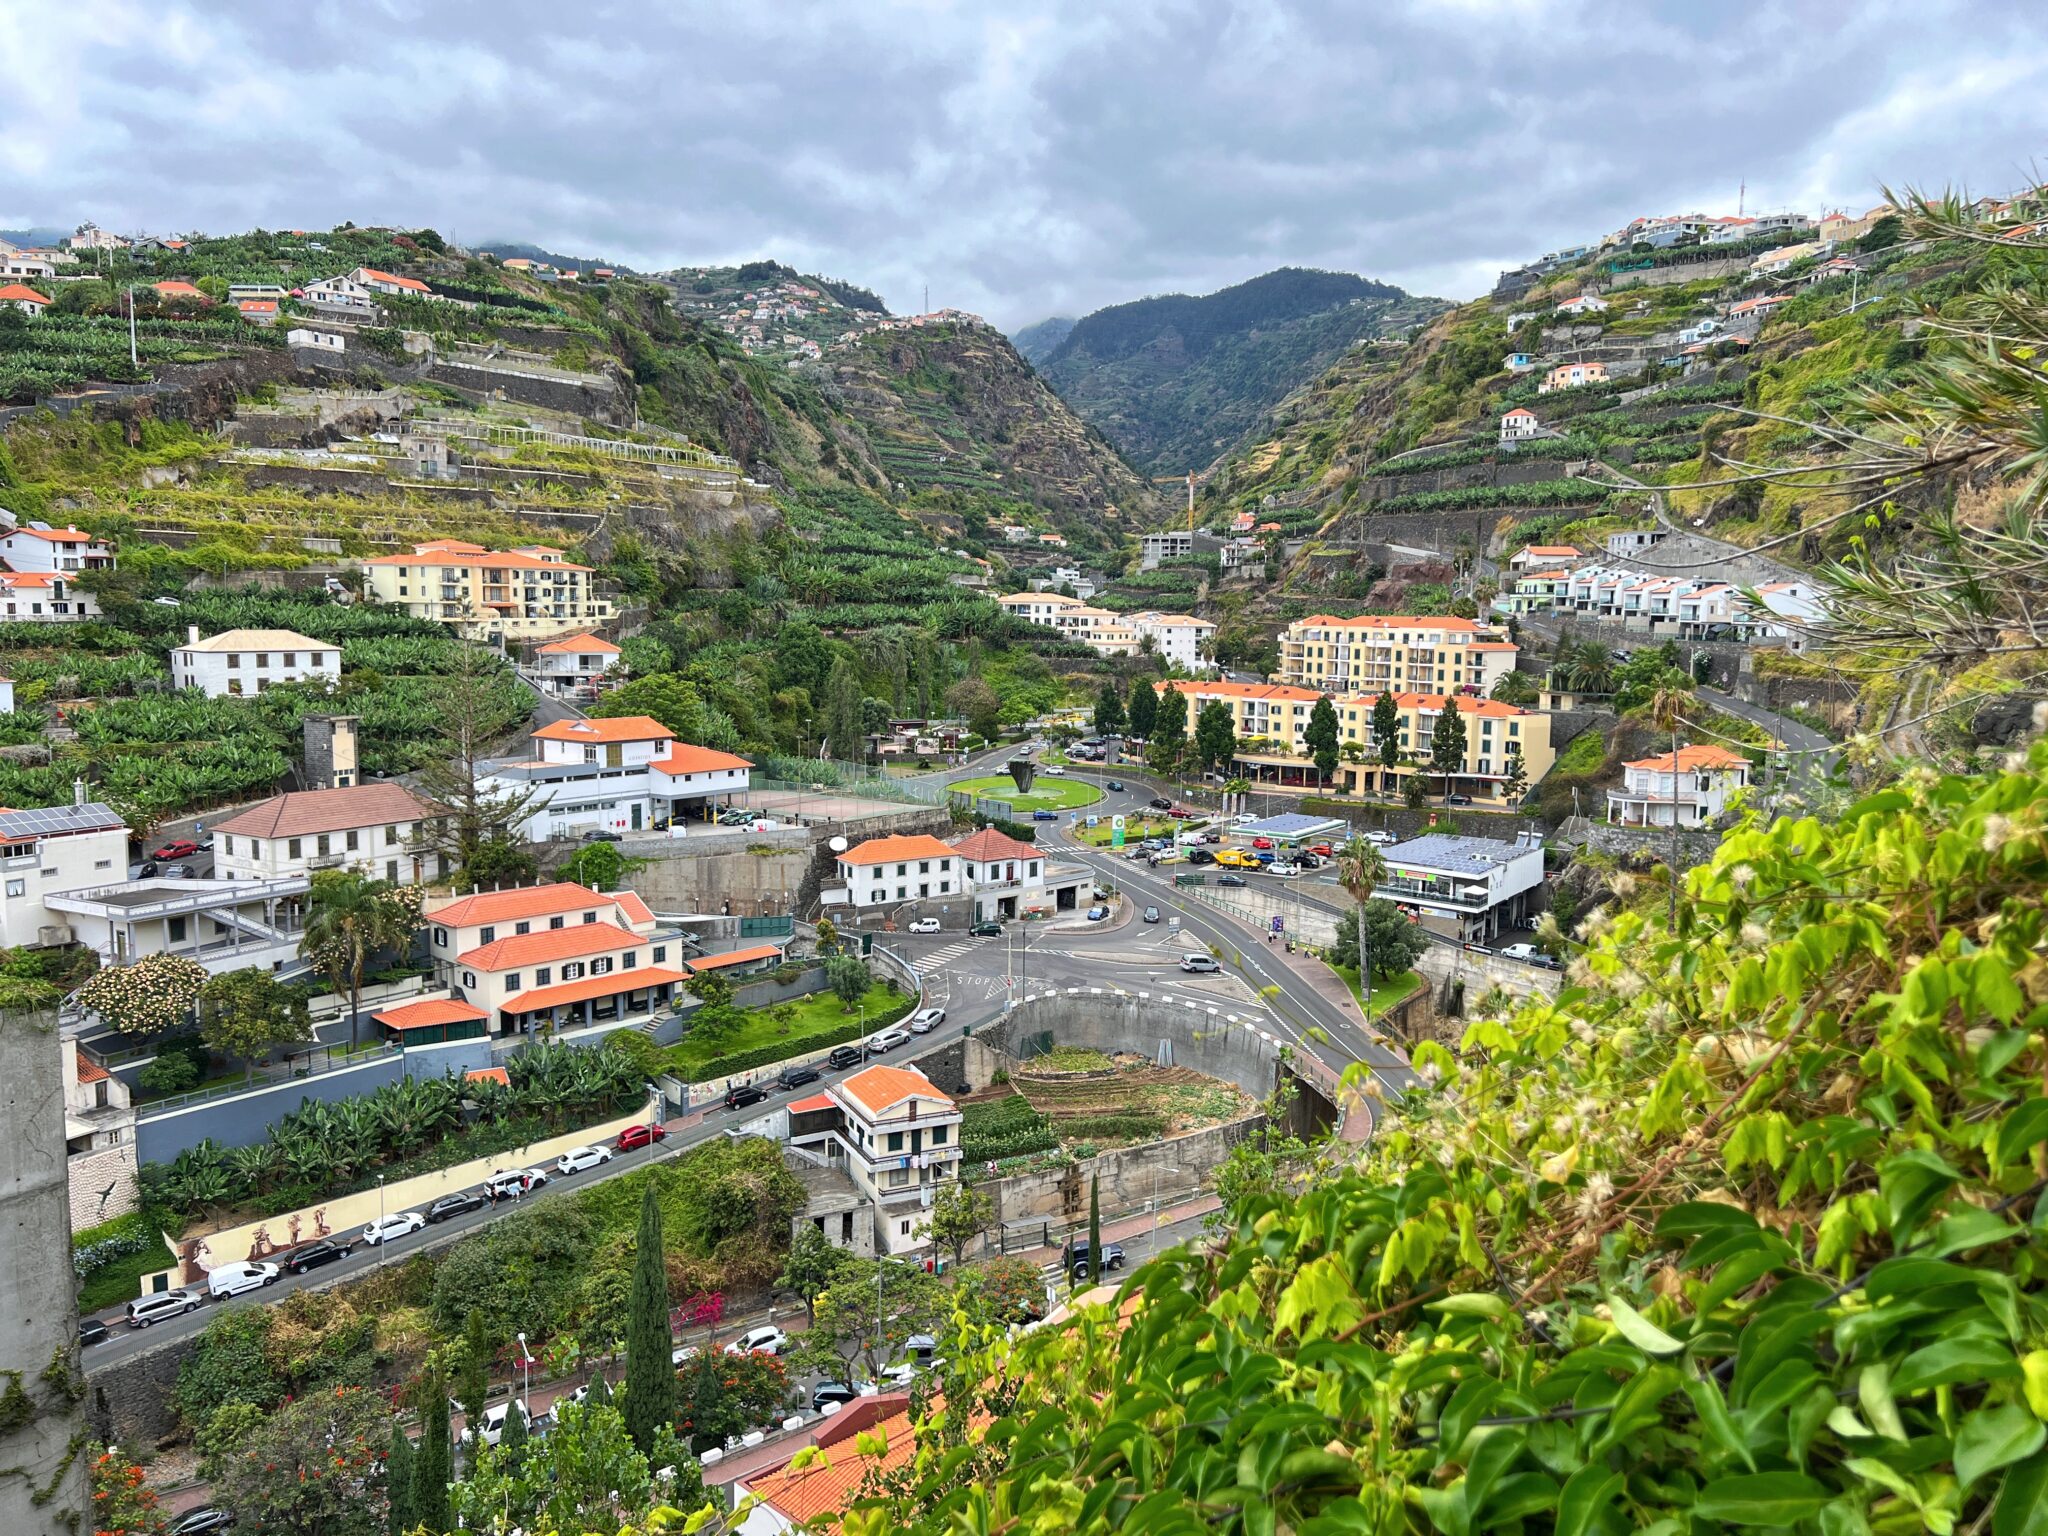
1519, 362
24, 298
339, 293
43, 597
258, 311
1584, 304
1790, 255
1633, 540
63, 551
1539, 555
27, 265
563, 666
391, 283
179, 290
317, 341
1518, 424
241, 663
1692, 786
1572, 376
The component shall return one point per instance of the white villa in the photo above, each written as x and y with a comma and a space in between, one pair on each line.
241, 663
1696, 785
624, 774
895, 1136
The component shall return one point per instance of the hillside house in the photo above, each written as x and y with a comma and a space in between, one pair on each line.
1180, 639
916, 867
390, 283
1519, 362
1632, 541
574, 665
1572, 376
1465, 888
24, 298
59, 848
27, 267
382, 830
1519, 425
36, 546
175, 289
43, 597
258, 311
1583, 304
1696, 785
1769, 263
340, 293
1007, 879
896, 1136
623, 774
241, 663
1534, 555
316, 341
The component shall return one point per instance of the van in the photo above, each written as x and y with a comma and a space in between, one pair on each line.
1528, 954
233, 1279
1198, 963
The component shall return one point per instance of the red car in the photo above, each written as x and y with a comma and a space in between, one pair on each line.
183, 848
1262, 842
1178, 810
1321, 850
638, 1136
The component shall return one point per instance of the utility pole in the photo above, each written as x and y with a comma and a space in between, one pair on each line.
133, 360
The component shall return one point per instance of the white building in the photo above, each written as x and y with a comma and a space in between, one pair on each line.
1518, 424
1695, 784
379, 829
318, 341
895, 1136
390, 282
1543, 556
6, 695
1180, 639
625, 774
340, 293
884, 870
575, 664
37, 547
58, 848
1464, 888
40, 597
99, 1139
1583, 304
241, 663
24, 298
1008, 879
225, 925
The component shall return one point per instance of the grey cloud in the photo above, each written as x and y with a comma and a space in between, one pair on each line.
1022, 161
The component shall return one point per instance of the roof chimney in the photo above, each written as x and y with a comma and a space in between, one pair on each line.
78, 791
191, 634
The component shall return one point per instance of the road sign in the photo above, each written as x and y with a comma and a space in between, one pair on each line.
1116, 831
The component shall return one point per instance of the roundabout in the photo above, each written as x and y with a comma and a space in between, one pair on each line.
1045, 794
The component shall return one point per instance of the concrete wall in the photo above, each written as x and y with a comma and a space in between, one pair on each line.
590, 395
703, 873
244, 1119
1696, 555
1131, 1177
1444, 964
1210, 1040
38, 1308
89, 1173
1653, 842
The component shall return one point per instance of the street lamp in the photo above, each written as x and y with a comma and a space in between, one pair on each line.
382, 1236
525, 1381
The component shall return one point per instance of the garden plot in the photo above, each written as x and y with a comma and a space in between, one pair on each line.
1083, 1102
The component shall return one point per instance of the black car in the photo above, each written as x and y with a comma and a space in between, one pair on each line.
985, 930
740, 1095
795, 1076
457, 1205
1115, 786
313, 1255
1230, 880
1160, 803
844, 1056
827, 1392
202, 1522
602, 835
1112, 1258
91, 1331
147, 871
1201, 856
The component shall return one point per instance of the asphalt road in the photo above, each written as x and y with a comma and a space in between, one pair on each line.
1812, 756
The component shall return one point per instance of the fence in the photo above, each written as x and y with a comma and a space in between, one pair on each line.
794, 774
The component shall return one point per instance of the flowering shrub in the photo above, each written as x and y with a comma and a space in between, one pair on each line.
121, 1504
153, 994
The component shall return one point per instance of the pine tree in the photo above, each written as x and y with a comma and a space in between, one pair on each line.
1169, 731
398, 1476
1321, 737
433, 1463
1447, 745
513, 1440
473, 1384
650, 1377
1386, 729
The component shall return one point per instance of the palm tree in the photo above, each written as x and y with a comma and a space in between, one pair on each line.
349, 918
1362, 868
1590, 668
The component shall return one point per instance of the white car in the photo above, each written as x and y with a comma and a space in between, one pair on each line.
233, 1279
576, 1159
388, 1228
1283, 871
1379, 838
768, 1340
682, 1353
925, 1020
1054, 770
924, 925
1246, 819
1529, 954
508, 1184
492, 1421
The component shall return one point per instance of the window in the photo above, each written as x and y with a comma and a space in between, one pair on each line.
601, 965
291, 848
590, 917
487, 935
512, 983
895, 1141
262, 658
938, 1135
391, 870
572, 970
16, 887
554, 922
390, 837
543, 976
227, 845
469, 978
440, 938
660, 954
898, 1177
632, 960
322, 844
903, 1228
234, 662
234, 687
351, 841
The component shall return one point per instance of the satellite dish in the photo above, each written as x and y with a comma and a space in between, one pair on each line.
837, 845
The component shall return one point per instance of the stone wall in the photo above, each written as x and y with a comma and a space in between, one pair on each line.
132, 1402
1694, 847
1131, 1178
90, 1173
588, 395
696, 874
1207, 1040
1443, 965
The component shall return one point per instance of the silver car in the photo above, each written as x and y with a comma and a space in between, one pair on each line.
146, 1310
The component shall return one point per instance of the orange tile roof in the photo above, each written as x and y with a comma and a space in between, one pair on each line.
1691, 758
814, 1102
684, 758
1447, 622
23, 293
1551, 551
613, 728
579, 645
1224, 690
510, 906
891, 850
1493, 708
450, 546
488, 1075
175, 290
440, 1010
258, 306
565, 943
988, 844
89, 1071
735, 957
636, 910
305, 812
591, 987
817, 1496
56, 535
488, 560
877, 1089
410, 284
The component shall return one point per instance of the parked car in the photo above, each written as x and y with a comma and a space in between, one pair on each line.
180, 848
509, 1184
986, 930
795, 1076
1160, 803
1054, 771
734, 818
1045, 815
147, 1310
1282, 871
682, 1353
576, 1159
1262, 842
925, 1020
844, 1056
602, 835
834, 1394
1457, 799
1097, 913
1309, 860
1379, 838
1321, 850
313, 1255
232, 1279
634, 1137
740, 1095
178, 872
1246, 819
460, 1203
387, 1229
203, 1521
1201, 856
766, 1340
92, 1331
1230, 880
1114, 786
1195, 961
924, 925
490, 1427
1151, 914
147, 870
1180, 812
887, 1040
1112, 1258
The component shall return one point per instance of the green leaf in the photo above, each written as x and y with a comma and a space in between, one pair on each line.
1874, 1391
1474, 1304
1992, 1438
2023, 1501
1640, 1331
1693, 1217
1761, 1498
2021, 1130
1844, 1517
1953, 1360
1587, 1499
1713, 1411
1911, 1182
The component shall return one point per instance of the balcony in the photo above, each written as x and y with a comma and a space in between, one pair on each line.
1436, 893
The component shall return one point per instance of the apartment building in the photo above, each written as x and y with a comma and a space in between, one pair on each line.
1572, 376
225, 925
1379, 653
378, 829
895, 1136
1275, 714
37, 547
1694, 785
1465, 888
1179, 639
624, 774
1495, 735
531, 592
241, 663
1109, 633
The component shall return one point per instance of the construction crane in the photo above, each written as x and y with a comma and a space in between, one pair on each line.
1192, 478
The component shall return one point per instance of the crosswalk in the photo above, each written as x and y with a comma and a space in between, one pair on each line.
935, 962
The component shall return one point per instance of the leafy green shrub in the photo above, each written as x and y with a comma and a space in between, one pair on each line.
1006, 1128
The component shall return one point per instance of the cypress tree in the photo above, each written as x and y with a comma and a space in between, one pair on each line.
650, 1377
1096, 1268
398, 1476
473, 1385
433, 1463
513, 1440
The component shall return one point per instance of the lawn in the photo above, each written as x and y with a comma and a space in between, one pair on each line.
770, 1035
122, 1279
1046, 794
1384, 996
1136, 829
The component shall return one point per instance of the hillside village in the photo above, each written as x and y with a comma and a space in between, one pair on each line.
478, 737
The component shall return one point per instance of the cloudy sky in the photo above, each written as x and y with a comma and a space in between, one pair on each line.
1021, 159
